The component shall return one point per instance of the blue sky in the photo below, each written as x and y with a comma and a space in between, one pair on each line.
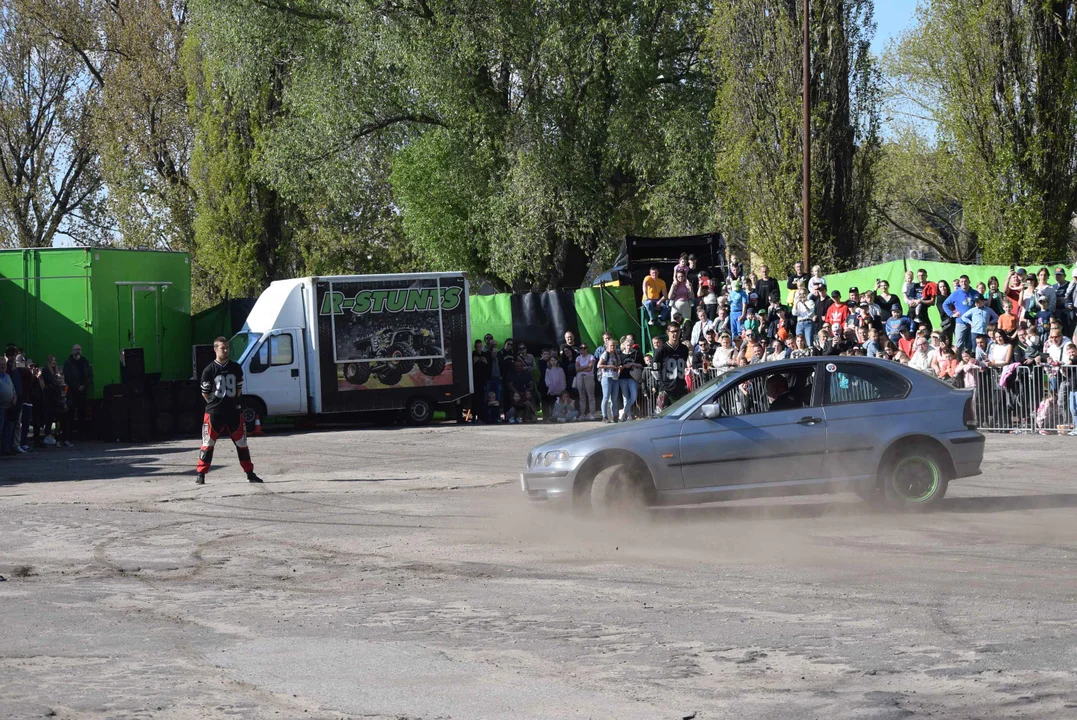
891, 16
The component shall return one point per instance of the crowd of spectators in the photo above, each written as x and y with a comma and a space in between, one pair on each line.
709, 321
718, 323
569, 383
42, 405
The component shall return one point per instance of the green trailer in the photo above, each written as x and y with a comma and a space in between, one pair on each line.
104, 299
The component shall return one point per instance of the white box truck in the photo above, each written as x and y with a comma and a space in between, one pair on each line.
350, 344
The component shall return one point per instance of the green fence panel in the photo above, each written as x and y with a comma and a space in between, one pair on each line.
599, 309
864, 279
491, 314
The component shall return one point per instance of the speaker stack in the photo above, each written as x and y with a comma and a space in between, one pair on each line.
115, 421
190, 408
162, 398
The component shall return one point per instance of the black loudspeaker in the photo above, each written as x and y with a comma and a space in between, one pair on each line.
113, 391
189, 424
189, 395
163, 396
141, 419
118, 418
132, 365
164, 423
201, 356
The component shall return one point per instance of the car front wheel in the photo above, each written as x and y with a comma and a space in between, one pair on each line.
620, 491
915, 479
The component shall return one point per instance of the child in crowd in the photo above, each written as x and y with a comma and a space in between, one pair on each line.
896, 324
493, 409
556, 384
751, 323
522, 410
564, 410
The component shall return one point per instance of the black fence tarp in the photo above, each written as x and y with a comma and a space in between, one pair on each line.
540, 319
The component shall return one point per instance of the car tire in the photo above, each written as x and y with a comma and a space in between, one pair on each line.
419, 411
620, 492
915, 478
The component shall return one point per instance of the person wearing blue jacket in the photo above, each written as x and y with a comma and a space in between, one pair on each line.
979, 317
961, 301
738, 301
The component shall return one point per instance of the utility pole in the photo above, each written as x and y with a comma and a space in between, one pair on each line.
807, 137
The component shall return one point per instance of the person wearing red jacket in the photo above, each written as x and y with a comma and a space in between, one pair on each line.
838, 312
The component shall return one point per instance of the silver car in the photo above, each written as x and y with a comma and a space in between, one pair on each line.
812, 425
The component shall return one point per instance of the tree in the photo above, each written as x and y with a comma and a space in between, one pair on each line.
50, 183
521, 138
756, 50
999, 78
131, 54
920, 193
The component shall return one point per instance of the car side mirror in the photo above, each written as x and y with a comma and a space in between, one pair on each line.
712, 411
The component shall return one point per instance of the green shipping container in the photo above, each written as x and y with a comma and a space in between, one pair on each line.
103, 299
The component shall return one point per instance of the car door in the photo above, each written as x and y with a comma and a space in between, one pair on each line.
856, 398
749, 443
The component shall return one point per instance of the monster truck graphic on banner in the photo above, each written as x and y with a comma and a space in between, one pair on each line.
392, 334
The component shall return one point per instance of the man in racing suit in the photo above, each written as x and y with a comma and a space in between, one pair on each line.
222, 384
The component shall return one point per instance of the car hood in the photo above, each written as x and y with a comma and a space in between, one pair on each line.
588, 437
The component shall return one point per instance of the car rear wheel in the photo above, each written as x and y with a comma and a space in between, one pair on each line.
915, 479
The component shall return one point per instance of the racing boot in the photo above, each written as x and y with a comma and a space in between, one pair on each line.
251, 477
201, 479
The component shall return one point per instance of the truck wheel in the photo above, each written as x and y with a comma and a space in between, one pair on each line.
434, 367
419, 411
357, 373
253, 408
396, 351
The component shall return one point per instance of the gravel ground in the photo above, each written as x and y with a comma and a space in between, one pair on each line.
400, 573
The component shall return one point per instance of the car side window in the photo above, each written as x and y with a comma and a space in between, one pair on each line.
792, 389
849, 383
276, 350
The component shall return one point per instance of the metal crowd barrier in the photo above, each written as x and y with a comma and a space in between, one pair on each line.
1036, 399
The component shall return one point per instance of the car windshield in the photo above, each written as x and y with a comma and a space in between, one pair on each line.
677, 409
239, 344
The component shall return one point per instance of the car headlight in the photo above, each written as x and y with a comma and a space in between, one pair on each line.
554, 456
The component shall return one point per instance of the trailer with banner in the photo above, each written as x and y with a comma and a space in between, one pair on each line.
355, 344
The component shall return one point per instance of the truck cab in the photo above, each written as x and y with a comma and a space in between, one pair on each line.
272, 350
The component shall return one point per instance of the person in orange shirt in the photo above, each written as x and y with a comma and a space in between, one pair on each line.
654, 298
1007, 321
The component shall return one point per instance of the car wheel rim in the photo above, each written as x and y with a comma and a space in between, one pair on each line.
916, 479
419, 412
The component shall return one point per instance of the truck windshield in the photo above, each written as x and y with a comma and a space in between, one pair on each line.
240, 343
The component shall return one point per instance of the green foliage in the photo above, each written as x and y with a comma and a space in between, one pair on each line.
920, 193
756, 51
524, 138
50, 175
999, 78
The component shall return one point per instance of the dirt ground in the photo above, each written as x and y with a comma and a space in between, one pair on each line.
402, 574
